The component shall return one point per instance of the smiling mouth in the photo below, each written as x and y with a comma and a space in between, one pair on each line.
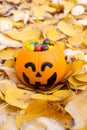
38, 85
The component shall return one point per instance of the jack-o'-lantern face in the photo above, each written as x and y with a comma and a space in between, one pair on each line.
40, 75
41, 70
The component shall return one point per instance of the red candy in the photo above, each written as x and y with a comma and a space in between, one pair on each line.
38, 47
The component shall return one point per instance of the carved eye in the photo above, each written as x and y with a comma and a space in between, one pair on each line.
46, 64
30, 64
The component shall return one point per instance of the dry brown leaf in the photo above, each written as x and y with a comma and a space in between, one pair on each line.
7, 117
78, 10
4, 40
6, 85
77, 107
2, 47
42, 123
5, 25
14, 2
11, 73
83, 2
18, 15
9, 124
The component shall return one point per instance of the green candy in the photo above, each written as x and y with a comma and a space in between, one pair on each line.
39, 42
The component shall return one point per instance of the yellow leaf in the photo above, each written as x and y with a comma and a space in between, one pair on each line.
69, 71
39, 12
7, 53
77, 66
75, 82
9, 63
80, 56
38, 108
81, 77
53, 34
66, 29
18, 97
56, 96
80, 87
1, 96
50, 32
77, 39
68, 5
24, 35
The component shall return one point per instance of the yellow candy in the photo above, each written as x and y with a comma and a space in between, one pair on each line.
30, 47
50, 46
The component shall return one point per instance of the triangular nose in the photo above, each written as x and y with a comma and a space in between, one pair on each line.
38, 74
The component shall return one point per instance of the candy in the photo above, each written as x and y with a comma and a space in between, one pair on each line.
31, 47
45, 47
39, 42
33, 43
50, 46
46, 41
38, 47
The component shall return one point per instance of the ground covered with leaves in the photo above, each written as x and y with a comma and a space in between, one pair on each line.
63, 22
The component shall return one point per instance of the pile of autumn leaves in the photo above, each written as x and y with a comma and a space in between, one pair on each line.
61, 21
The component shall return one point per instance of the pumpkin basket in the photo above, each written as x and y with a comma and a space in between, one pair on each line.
40, 70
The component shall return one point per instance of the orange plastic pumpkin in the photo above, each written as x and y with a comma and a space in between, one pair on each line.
41, 70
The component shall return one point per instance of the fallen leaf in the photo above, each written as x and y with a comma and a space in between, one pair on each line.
6, 85
25, 34
18, 97
65, 28
56, 96
39, 108
77, 66
42, 123
81, 77
7, 53
53, 34
77, 39
78, 10
14, 2
77, 108
4, 40
5, 25
11, 73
